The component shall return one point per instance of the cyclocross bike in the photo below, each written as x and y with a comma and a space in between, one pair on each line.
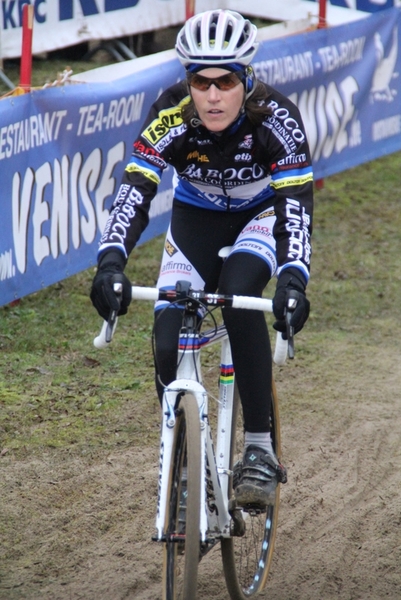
199, 468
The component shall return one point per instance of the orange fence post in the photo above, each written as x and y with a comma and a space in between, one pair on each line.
322, 14
26, 64
26, 55
189, 9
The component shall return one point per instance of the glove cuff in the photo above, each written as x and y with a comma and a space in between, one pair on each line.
294, 277
112, 257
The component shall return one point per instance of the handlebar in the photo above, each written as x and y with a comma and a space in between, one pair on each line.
183, 292
248, 302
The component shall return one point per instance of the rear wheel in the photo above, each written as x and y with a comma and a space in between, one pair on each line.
182, 545
247, 557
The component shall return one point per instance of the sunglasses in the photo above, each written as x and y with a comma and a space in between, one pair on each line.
223, 83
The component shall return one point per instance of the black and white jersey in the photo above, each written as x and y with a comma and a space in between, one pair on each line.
231, 171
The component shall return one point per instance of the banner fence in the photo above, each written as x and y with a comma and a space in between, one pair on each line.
63, 150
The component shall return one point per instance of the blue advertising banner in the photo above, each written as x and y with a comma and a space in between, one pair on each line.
346, 82
365, 5
62, 154
63, 150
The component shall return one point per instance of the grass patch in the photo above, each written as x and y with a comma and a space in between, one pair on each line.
58, 391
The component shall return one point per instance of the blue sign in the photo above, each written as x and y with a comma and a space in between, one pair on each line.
364, 5
346, 82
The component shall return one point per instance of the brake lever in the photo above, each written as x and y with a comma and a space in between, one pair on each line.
112, 320
292, 302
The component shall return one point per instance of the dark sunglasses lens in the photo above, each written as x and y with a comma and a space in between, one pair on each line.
199, 82
225, 82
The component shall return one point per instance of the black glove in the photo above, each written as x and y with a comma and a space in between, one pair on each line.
111, 264
290, 279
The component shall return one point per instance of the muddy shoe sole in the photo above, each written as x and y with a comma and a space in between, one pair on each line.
247, 494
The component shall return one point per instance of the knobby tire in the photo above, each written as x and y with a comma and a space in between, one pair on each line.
181, 552
247, 559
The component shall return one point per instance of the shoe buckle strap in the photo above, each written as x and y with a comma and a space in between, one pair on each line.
279, 469
281, 473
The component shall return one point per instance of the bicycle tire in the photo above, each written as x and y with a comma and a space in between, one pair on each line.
181, 550
247, 559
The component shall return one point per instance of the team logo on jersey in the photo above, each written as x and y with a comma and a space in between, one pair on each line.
168, 124
169, 248
286, 129
243, 157
247, 143
231, 177
205, 142
293, 159
254, 229
199, 157
263, 215
289, 162
149, 154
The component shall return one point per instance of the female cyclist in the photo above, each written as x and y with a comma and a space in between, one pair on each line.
243, 178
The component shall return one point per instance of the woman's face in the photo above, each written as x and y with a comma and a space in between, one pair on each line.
217, 108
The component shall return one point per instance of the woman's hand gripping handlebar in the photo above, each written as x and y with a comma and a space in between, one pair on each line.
109, 326
283, 347
292, 302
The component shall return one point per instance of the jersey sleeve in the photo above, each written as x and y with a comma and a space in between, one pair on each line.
292, 181
129, 215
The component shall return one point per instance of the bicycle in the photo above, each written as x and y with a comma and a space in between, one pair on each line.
196, 508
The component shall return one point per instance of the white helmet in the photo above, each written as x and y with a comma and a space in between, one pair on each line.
216, 38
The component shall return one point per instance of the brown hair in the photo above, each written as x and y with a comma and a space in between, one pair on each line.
255, 107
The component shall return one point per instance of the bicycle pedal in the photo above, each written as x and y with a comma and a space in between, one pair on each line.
253, 509
238, 527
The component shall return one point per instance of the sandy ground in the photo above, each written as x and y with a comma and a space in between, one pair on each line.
80, 528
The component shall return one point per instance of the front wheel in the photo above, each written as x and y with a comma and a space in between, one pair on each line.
182, 536
247, 557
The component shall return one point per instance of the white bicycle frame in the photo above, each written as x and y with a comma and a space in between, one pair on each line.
215, 470
215, 519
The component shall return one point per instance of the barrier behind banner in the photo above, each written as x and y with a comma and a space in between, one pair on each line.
63, 150
61, 23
